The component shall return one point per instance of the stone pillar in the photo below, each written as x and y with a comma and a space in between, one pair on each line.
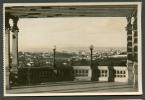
135, 50
15, 31
7, 51
129, 50
14, 69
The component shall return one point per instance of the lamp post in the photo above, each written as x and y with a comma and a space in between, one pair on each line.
91, 49
91, 63
54, 52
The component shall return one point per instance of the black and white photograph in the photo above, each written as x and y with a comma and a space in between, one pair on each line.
70, 49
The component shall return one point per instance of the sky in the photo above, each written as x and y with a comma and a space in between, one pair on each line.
43, 33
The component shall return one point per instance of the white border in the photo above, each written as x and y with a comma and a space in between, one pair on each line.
139, 47
4, 70
73, 4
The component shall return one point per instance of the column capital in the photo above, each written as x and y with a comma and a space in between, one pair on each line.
129, 18
7, 18
15, 21
135, 20
129, 25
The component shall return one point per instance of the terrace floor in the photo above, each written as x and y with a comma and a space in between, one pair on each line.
73, 87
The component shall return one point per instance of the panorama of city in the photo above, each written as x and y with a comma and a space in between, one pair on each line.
102, 56
70, 64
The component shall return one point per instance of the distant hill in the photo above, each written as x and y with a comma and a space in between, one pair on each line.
72, 49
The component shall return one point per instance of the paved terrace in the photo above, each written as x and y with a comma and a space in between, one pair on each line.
73, 87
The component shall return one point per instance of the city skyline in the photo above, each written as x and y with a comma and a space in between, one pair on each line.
71, 32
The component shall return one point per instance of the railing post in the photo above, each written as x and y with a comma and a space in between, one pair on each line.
111, 73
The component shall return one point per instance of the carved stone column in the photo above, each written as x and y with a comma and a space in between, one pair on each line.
15, 31
129, 50
135, 50
7, 50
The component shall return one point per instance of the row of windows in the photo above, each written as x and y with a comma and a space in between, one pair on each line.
103, 73
81, 72
120, 73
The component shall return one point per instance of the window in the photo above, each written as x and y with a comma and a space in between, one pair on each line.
120, 73
81, 72
103, 73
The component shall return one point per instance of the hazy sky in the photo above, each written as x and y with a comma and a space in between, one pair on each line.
40, 33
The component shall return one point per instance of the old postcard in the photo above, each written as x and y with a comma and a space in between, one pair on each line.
69, 49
